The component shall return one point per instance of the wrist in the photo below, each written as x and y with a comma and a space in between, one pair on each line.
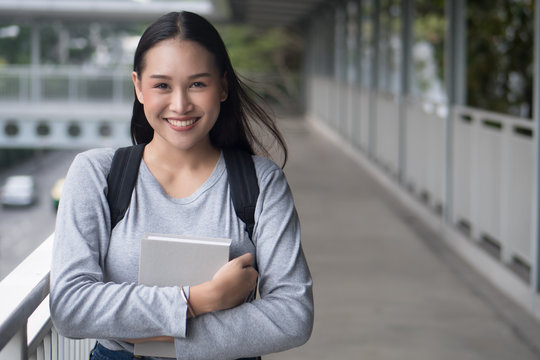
203, 298
190, 311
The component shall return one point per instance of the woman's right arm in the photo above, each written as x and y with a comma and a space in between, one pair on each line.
82, 304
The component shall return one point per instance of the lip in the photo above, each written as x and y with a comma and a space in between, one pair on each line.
182, 123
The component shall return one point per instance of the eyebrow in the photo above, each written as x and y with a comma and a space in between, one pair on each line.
166, 77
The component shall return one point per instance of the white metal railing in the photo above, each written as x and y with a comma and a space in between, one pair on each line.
491, 188
26, 331
387, 131
492, 160
424, 150
493, 168
65, 83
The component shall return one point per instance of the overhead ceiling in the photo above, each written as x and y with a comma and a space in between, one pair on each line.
262, 13
273, 12
108, 10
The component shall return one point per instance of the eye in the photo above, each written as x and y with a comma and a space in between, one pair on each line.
161, 86
198, 84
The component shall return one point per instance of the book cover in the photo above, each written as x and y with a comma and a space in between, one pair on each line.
173, 260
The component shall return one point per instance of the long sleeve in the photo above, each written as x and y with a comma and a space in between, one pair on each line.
282, 317
83, 303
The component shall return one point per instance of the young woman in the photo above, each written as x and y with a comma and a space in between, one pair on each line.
189, 106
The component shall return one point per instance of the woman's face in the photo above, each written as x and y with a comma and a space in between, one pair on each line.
181, 90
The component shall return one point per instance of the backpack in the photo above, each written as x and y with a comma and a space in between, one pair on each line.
241, 172
240, 169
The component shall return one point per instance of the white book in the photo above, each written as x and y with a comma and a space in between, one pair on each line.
173, 260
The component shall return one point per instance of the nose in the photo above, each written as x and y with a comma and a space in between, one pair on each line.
181, 102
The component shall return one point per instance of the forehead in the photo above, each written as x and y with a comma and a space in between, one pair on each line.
175, 57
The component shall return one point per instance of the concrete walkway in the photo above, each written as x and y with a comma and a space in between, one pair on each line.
386, 287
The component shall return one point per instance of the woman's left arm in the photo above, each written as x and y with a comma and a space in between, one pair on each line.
283, 316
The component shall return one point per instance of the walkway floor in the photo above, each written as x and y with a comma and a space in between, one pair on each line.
385, 287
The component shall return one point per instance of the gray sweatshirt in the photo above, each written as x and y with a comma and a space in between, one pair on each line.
94, 290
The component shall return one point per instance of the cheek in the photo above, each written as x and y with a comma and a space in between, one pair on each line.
213, 101
153, 103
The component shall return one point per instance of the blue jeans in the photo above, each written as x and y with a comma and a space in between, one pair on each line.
100, 352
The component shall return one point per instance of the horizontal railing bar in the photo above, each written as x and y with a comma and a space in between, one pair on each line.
20, 314
27, 286
485, 114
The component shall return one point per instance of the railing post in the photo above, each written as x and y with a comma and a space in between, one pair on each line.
455, 50
407, 43
16, 348
535, 246
372, 139
35, 80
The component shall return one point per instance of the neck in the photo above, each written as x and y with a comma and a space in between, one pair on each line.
169, 157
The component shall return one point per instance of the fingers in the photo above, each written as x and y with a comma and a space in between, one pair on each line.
245, 260
253, 278
250, 273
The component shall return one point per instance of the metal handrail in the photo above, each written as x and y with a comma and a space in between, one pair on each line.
27, 286
18, 318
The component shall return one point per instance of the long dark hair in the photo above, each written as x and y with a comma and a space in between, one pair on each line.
232, 128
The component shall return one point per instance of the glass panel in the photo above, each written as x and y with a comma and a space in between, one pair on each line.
55, 87
427, 73
390, 46
94, 89
352, 42
340, 44
366, 43
9, 87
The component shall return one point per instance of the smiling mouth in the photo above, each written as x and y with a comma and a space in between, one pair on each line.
182, 123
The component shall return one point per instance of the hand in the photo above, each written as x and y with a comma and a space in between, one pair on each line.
229, 287
235, 281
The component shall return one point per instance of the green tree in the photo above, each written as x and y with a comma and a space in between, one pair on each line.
270, 58
500, 55
15, 50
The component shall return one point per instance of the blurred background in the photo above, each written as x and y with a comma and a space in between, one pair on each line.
435, 98
65, 85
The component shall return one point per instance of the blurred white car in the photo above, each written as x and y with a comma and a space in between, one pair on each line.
19, 190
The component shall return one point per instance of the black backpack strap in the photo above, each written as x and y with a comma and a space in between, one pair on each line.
244, 186
121, 180
244, 193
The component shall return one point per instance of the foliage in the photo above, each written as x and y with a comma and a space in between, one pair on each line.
269, 57
16, 50
81, 42
500, 55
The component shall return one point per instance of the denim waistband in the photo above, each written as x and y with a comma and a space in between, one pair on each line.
100, 352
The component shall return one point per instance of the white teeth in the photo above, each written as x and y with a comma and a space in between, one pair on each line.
179, 123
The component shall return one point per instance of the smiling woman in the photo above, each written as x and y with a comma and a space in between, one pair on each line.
181, 90
190, 109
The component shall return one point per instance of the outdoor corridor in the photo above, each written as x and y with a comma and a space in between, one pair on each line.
385, 286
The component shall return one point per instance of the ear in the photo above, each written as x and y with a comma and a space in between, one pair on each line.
137, 85
224, 88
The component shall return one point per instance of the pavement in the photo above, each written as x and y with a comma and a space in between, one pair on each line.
385, 286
